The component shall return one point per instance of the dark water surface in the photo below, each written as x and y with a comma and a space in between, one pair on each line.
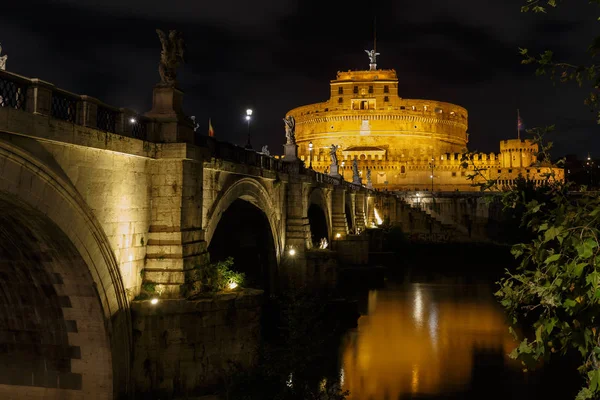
441, 336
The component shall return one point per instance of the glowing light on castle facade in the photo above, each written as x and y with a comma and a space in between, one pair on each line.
407, 144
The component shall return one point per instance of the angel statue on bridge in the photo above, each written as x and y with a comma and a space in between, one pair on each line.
333, 154
171, 56
290, 129
355, 175
2, 59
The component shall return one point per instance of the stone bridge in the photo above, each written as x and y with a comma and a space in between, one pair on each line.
97, 201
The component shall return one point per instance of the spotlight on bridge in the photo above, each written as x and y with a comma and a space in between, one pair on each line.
132, 120
232, 285
154, 301
292, 252
338, 235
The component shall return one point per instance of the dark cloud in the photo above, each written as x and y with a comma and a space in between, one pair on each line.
276, 55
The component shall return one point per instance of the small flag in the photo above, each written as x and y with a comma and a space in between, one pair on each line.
519, 123
211, 131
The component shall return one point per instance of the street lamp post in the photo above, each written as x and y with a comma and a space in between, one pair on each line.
310, 150
248, 118
432, 166
590, 167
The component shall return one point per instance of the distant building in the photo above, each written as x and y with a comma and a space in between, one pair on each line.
407, 144
582, 171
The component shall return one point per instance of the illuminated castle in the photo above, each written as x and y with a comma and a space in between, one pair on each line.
407, 144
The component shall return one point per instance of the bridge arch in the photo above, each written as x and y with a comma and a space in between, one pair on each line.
59, 281
319, 216
249, 199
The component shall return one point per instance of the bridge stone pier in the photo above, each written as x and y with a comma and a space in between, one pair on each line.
99, 204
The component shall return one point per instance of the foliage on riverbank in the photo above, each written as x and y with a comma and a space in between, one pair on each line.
556, 287
210, 278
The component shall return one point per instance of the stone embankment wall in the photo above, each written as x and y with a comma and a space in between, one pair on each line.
184, 347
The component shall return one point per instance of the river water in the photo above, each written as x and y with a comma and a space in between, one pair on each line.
440, 340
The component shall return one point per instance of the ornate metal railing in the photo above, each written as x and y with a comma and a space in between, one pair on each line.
64, 106
106, 119
12, 93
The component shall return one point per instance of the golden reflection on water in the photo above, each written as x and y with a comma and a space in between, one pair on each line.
421, 339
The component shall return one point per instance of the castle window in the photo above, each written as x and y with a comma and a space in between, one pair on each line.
370, 89
386, 98
403, 169
414, 108
386, 89
355, 89
454, 174
425, 108
452, 113
340, 90
402, 108
340, 100
539, 171
527, 171
439, 110
510, 171
499, 171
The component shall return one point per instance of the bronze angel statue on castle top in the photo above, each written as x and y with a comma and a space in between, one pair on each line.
171, 56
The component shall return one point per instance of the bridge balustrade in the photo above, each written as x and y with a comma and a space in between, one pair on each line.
64, 106
106, 119
42, 98
237, 154
13, 93
324, 178
352, 186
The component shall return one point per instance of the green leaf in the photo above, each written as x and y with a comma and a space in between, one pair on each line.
579, 269
524, 347
551, 233
592, 279
552, 258
550, 325
593, 375
569, 303
586, 249
538, 334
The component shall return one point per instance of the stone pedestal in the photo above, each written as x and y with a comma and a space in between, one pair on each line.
334, 170
338, 213
360, 211
357, 180
290, 152
171, 124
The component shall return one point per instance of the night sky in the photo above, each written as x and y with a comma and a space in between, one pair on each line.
274, 55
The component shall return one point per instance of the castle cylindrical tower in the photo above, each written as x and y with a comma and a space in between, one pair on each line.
517, 153
400, 140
